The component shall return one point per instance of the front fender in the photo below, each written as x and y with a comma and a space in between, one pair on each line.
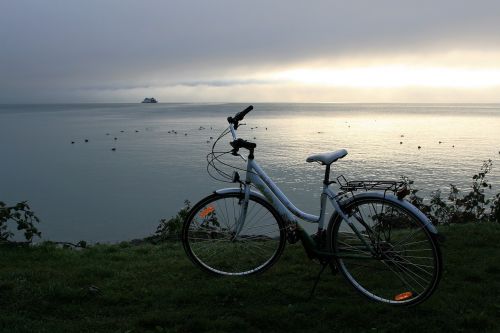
392, 198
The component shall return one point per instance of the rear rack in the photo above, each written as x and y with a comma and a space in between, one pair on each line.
400, 188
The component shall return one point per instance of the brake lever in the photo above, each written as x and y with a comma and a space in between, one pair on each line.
235, 152
242, 157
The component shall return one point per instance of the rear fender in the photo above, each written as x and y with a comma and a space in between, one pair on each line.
389, 197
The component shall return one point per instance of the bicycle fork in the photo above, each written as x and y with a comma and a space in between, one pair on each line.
240, 222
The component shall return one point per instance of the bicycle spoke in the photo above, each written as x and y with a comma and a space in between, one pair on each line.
409, 273
400, 277
417, 266
225, 217
353, 248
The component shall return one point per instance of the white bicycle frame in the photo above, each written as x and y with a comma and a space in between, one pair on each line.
269, 191
256, 176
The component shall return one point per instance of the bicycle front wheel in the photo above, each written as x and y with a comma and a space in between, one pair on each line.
216, 242
401, 264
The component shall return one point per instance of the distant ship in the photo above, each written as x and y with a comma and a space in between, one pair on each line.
149, 100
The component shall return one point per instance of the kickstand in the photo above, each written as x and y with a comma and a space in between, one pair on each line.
323, 266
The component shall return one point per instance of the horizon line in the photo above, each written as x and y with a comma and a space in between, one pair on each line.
221, 102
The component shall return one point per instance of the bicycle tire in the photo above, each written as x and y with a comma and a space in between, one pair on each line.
210, 240
407, 264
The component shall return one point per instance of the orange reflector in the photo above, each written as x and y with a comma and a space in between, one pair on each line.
403, 296
206, 211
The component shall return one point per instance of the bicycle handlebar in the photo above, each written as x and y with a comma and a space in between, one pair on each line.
239, 116
233, 126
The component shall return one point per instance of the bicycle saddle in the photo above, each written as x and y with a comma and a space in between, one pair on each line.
327, 158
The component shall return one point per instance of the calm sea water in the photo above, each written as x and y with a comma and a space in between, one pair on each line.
87, 191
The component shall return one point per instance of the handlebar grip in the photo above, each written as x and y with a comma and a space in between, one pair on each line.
240, 115
248, 109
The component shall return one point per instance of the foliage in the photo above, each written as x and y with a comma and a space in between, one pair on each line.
21, 214
472, 205
171, 228
495, 208
460, 207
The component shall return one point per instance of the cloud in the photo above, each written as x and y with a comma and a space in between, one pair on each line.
58, 49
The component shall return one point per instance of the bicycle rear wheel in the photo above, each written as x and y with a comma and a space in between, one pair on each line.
214, 242
404, 265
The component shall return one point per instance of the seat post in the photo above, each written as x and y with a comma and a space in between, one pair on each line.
326, 181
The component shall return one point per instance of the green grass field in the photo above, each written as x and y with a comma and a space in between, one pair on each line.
146, 288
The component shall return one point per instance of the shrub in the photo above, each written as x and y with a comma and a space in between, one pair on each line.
473, 204
495, 209
23, 216
171, 229
460, 207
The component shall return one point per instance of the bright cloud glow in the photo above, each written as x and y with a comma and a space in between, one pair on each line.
393, 76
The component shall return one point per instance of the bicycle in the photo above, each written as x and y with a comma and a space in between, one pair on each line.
384, 246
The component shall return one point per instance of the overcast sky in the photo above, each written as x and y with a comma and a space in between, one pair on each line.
249, 51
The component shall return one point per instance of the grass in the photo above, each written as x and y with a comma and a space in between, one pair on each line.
146, 288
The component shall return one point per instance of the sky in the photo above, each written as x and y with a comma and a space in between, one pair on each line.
62, 51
